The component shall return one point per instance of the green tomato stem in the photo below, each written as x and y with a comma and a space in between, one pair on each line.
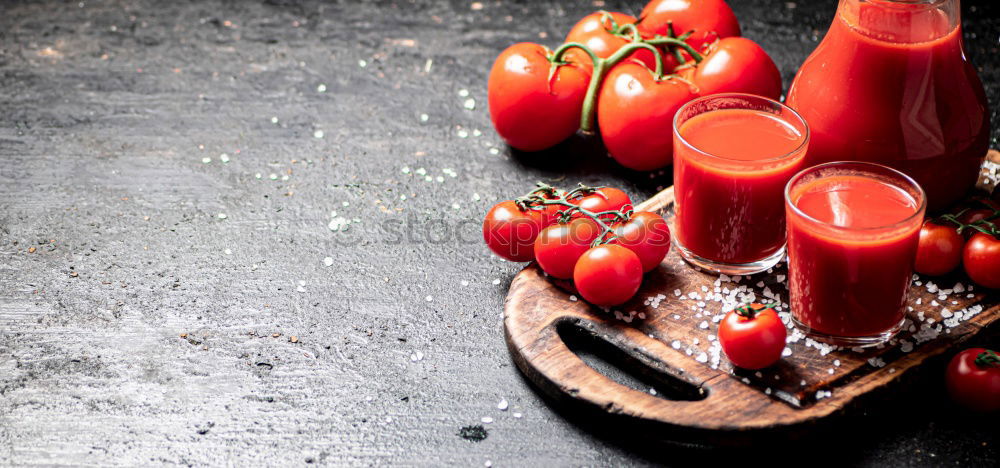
601, 67
670, 41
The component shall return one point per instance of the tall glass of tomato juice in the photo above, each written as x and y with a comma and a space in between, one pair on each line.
733, 154
853, 229
891, 84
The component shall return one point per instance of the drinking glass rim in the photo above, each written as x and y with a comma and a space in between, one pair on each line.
783, 107
920, 190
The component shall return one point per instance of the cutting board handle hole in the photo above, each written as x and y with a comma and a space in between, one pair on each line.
622, 367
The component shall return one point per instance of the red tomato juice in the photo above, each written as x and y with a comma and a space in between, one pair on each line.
891, 84
851, 254
730, 171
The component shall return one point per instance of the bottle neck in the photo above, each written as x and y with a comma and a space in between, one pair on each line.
901, 21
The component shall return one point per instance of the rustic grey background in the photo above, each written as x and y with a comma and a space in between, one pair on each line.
122, 229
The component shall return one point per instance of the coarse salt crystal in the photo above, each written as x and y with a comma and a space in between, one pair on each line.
502, 405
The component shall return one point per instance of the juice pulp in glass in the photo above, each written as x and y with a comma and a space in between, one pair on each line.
890, 83
848, 272
729, 183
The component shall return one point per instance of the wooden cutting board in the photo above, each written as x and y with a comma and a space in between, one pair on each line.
667, 333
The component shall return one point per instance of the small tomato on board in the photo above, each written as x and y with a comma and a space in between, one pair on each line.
559, 246
752, 336
939, 250
608, 275
981, 258
604, 199
635, 113
533, 107
973, 379
647, 235
737, 65
710, 19
510, 231
597, 31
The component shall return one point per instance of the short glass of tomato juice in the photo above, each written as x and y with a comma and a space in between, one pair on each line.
853, 229
733, 155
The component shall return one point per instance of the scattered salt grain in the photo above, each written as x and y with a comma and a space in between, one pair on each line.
428, 298
469, 104
328, 261
517, 415
503, 405
486, 419
573, 298
318, 134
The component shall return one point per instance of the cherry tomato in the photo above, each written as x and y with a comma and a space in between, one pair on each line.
635, 113
939, 250
973, 379
510, 232
531, 110
559, 246
604, 199
648, 235
752, 336
737, 65
982, 260
976, 214
608, 275
711, 19
596, 32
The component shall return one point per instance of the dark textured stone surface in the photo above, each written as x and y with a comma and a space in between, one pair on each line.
108, 109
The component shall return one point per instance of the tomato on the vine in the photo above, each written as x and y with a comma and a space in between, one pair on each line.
635, 113
710, 19
736, 65
532, 106
981, 258
973, 379
559, 246
976, 214
604, 199
608, 275
510, 231
939, 250
648, 235
752, 336
597, 31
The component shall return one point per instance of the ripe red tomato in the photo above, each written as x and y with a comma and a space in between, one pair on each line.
982, 260
939, 250
977, 214
608, 275
648, 235
635, 113
594, 31
710, 19
604, 199
531, 110
510, 232
973, 379
737, 65
559, 246
752, 336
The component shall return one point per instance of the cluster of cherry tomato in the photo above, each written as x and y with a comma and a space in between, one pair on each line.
943, 245
589, 234
634, 74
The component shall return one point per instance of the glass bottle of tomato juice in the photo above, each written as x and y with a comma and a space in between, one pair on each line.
890, 84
